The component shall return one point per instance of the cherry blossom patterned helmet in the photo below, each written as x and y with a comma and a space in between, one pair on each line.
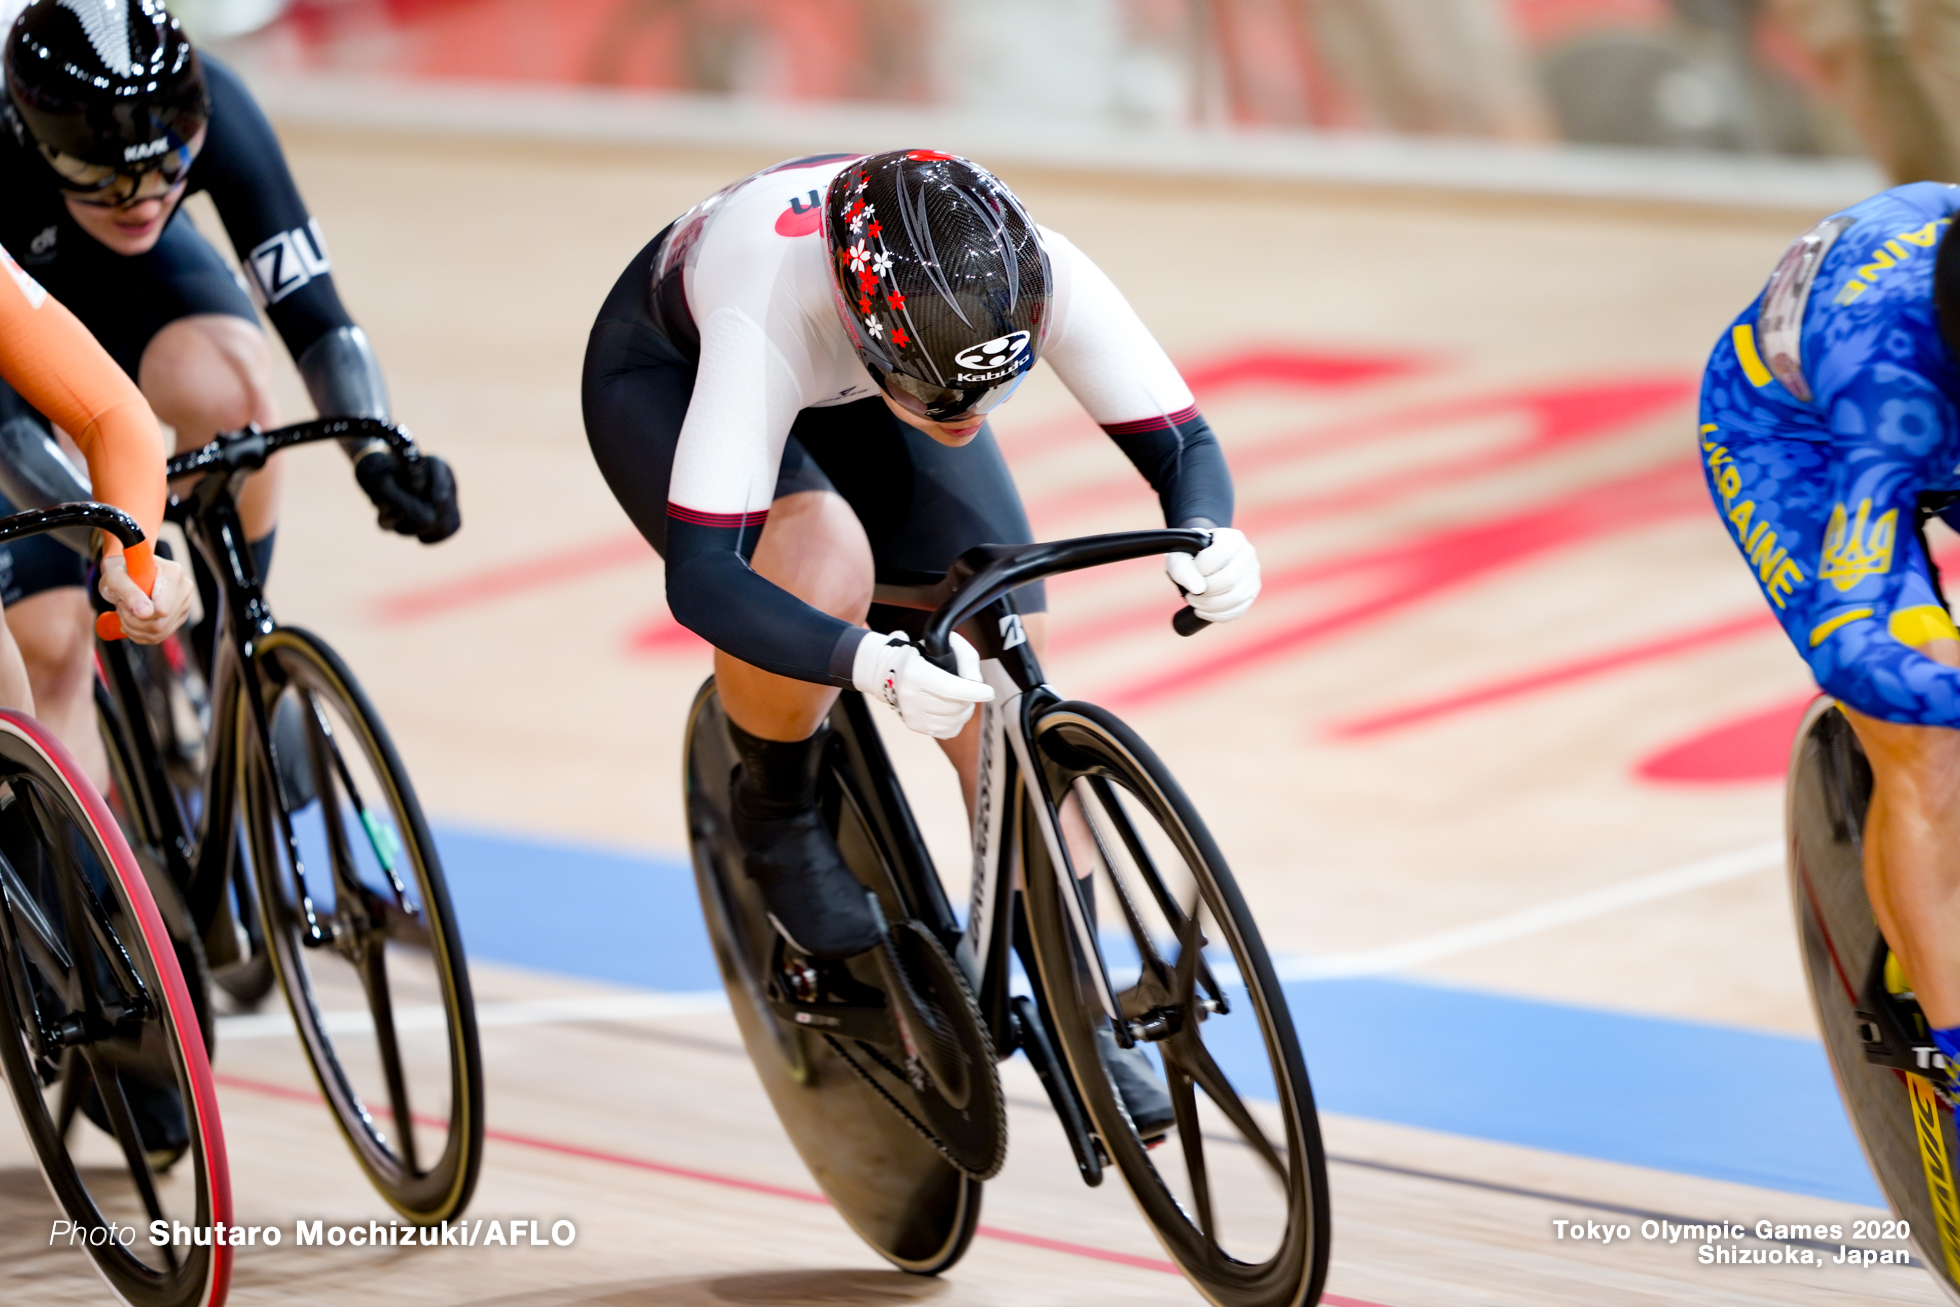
940, 278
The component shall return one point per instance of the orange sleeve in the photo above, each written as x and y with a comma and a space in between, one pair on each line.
51, 359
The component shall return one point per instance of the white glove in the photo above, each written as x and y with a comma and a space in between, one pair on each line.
1221, 581
930, 701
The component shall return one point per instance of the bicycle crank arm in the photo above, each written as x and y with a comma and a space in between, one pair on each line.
1893, 1030
1032, 1039
825, 997
872, 1025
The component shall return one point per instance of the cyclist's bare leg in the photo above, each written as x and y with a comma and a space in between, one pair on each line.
54, 641
15, 690
814, 547
1912, 847
211, 372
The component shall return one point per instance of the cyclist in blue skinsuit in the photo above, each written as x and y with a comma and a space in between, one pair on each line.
1829, 433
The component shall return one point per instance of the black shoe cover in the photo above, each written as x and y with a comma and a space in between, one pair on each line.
292, 757
813, 899
1142, 1090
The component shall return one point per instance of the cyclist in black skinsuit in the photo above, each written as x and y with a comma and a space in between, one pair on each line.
111, 119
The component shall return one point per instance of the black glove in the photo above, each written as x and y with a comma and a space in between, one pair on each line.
414, 499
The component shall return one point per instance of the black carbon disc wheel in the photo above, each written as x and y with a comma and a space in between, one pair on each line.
1905, 1128
99, 1027
898, 1193
1237, 1192
359, 927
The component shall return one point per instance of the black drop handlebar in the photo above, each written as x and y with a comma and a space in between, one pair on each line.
986, 572
85, 513
243, 451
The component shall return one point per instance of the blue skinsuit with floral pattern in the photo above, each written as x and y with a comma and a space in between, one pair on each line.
1821, 491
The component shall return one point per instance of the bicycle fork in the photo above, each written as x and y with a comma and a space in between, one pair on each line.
996, 923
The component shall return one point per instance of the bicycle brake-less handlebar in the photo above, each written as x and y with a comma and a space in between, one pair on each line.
986, 572
99, 517
88, 515
245, 450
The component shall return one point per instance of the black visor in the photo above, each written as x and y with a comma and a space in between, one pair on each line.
942, 403
119, 183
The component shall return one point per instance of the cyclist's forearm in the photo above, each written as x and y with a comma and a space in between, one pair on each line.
57, 366
344, 379
1180, 458
122, 445
714, 592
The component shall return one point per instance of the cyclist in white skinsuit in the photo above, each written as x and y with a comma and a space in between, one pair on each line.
787, 390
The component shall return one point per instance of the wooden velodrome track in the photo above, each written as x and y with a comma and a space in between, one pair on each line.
1495, 595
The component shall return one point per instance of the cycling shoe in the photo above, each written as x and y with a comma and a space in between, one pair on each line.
1145, 1096
814, 901
291, 754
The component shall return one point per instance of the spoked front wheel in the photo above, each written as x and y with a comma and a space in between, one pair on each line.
359, 926
98, 1023
1237, 1192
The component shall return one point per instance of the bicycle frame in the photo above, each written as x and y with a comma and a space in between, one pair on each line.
201, 861
977, 598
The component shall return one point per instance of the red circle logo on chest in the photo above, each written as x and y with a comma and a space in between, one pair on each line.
792, 223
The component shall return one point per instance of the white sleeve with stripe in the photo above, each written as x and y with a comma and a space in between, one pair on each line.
1100, 348
746, 397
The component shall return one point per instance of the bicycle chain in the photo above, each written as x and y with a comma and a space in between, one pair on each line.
925, 1131
987, 1068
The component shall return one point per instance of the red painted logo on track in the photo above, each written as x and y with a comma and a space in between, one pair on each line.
1472, 465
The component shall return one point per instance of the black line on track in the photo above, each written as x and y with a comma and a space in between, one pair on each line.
728, 1049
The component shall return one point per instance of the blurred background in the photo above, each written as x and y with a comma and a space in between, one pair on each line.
1799, 78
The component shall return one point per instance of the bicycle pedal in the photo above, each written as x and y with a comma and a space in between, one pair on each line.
824, 996
1887, 1049
804, 980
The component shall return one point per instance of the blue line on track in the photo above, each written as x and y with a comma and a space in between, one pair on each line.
1729, 1104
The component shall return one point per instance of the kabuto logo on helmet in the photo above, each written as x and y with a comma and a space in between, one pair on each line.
993, 355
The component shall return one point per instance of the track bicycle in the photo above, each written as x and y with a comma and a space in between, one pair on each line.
98, 1018
269, 794
1888, 1070
882, 1067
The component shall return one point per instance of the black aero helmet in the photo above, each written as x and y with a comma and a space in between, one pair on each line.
107, 89
940, 278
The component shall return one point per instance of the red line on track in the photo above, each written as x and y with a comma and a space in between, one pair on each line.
1545, 678
515, 578
1282, 368
1299, 369
1557, 417
811, 1196
1433, 564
